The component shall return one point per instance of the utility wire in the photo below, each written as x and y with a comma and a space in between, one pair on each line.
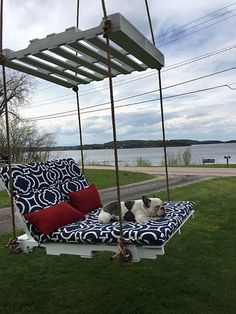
198, 19
155, 90
170, 42
195, 26
53, 116
167, 68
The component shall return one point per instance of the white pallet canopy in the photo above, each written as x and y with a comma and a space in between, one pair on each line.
76, 57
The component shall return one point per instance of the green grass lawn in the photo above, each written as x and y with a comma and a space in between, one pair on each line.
107, 178
196, 275
4, 199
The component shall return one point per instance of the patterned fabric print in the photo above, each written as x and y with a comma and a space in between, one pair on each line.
34, 176
66, 169
150, 233
71, 186
36, 200
39, 174
20, 183
4, 176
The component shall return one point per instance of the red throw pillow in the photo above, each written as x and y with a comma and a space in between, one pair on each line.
85, 200
51, 218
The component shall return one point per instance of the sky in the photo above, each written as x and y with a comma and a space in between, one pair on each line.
198, 40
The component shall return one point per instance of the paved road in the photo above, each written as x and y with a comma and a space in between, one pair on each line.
178, 176
5, 220
136, 190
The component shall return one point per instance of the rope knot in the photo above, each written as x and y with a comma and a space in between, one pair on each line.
75, 88
106, 28
14, 246
124, 256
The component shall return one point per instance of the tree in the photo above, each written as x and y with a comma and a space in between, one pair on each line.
27, 143
19, 86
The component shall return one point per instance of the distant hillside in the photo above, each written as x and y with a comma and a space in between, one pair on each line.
143, 144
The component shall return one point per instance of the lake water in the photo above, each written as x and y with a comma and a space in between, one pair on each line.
154, 155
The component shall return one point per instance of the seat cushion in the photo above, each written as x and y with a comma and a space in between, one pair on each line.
153, 232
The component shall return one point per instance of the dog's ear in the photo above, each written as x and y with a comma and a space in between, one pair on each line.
146, 200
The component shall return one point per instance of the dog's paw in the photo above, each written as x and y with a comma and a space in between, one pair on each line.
104, 217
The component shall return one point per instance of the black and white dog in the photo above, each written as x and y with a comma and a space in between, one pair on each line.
138, 210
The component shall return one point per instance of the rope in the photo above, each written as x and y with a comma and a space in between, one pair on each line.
13, 244
1, 27
161, 106
150, 22
124, 255
163, 136
77, 16
76, 90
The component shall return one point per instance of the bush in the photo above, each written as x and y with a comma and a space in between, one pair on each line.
141, 162
179, 159
174, 159
187, 156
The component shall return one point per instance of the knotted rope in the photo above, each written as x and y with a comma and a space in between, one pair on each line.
124, 256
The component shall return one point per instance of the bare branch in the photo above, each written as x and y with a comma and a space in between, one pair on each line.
19, 86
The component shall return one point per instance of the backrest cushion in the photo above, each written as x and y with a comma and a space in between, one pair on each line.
25, 178
70, 186
40, 175
66, 169
35, 200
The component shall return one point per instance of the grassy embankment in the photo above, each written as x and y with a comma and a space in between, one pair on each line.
196, 275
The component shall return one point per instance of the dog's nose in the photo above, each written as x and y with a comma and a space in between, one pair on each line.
163, 211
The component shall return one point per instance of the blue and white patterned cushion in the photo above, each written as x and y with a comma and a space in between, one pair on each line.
40, 175
66, 169
36, 200
25, 178
71, 186
150, 233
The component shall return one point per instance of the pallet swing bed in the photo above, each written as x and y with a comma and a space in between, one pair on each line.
40, 188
